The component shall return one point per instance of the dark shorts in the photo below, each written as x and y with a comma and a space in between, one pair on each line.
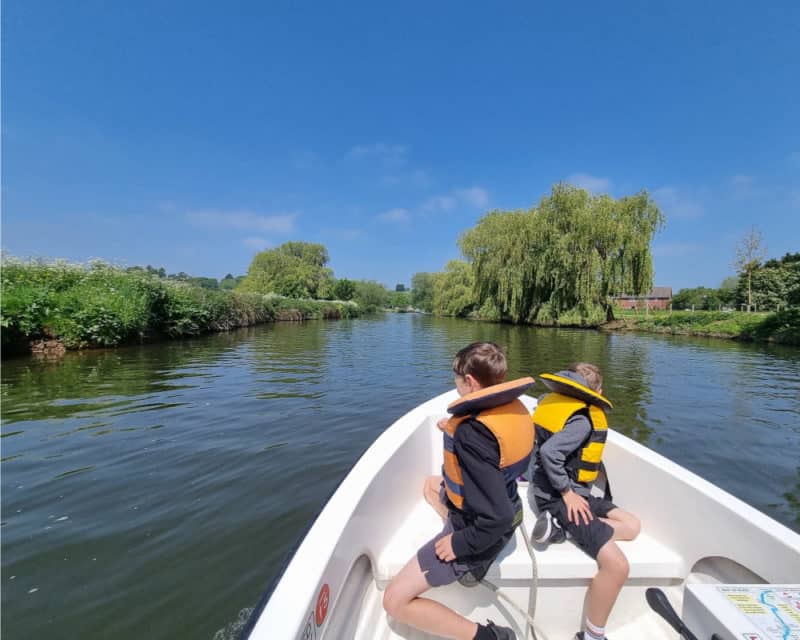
589, 537
468, 572
438, 572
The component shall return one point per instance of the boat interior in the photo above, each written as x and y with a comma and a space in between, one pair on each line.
692, 532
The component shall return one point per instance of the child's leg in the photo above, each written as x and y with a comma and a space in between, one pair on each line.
401, 601
626, 525
605, 587
431, 493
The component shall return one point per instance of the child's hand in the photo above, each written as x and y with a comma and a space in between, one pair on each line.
444, 548
577, 507
442, 423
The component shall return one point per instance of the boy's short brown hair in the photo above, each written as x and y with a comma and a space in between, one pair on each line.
590, 373
484, 361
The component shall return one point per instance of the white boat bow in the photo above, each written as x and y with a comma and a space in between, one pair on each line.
693, 533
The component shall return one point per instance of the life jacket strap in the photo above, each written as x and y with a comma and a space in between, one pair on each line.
599, 435
452, 486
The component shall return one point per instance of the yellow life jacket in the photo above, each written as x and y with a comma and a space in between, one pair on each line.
550, 416
509, 422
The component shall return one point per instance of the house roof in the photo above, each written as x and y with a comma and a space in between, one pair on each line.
655, 293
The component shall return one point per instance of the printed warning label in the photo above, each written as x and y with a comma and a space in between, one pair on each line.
773, 613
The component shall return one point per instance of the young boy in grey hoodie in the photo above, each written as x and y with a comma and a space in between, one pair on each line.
563, 497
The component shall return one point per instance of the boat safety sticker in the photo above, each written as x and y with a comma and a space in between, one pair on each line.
323, 599
309, 631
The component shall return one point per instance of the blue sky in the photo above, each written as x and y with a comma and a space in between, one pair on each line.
190, 135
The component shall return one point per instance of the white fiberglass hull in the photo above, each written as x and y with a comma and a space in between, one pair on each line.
692, 532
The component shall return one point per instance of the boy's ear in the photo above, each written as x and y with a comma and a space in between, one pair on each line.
472, 383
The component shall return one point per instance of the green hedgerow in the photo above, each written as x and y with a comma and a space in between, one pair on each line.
102, 305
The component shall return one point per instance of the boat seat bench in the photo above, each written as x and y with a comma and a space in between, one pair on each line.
648, 558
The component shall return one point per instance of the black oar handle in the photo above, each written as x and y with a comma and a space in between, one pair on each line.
658, 602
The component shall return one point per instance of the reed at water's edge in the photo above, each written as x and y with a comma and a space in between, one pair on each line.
100, 305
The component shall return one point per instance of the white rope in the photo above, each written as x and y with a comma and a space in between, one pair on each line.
534, 586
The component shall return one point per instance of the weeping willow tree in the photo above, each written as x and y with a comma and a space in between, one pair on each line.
453, 290
573, 252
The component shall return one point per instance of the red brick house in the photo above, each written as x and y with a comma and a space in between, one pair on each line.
658, 298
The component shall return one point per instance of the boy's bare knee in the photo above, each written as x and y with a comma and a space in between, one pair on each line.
623, 568
613, 562
430, 487
391, 600
636, 527
620, 568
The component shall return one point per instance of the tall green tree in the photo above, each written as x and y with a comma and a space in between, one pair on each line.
774, 285
700, 298
294, 269
371, 295
727, 291
749, 253
229, 282
573, 251
344, 289
422, 284
399, 300
454, 290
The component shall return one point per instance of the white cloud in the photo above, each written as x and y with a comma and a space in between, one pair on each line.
594, 184
674, 203
474, 197
395, 215
440, 203
256, 244
244, 220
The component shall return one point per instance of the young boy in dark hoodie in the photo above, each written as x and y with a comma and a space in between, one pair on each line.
484, 453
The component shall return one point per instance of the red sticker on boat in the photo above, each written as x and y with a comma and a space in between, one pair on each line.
322, 604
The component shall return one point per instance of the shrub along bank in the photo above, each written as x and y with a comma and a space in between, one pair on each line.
99, 305
780, 327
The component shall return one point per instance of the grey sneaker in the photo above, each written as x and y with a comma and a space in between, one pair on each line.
547, 530
501, 633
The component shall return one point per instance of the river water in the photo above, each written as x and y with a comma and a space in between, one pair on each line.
153, 492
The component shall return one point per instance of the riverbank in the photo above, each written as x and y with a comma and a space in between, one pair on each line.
51, 307
782, 327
